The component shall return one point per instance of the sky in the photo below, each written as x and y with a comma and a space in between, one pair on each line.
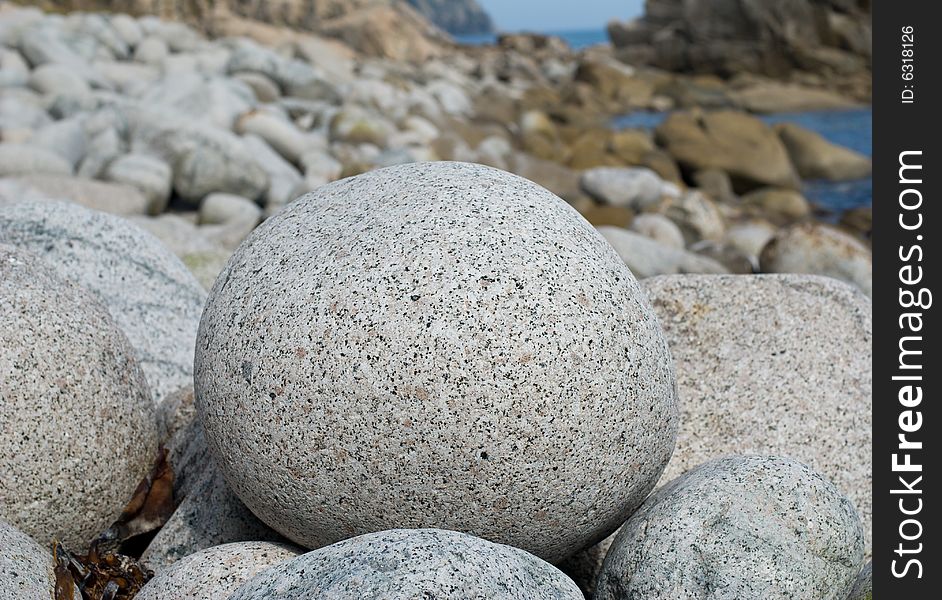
557, 15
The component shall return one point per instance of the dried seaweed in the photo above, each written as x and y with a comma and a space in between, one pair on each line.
106, 573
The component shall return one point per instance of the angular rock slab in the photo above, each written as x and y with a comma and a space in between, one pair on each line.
772, 364
401, 564
215, 572
738, 527
79, 427
457, 335
151, 295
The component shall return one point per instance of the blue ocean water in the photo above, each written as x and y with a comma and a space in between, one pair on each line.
852, 128
576, 38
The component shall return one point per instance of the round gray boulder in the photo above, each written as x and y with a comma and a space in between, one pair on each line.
150, 294
79, 426
412, 563
457, 335
738, 527
25, 566
215, 572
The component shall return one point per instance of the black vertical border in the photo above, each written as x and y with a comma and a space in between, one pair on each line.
900, 127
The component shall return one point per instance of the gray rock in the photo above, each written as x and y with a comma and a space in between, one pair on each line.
203, 257
204, 159
114, 198
659, 228
411, 563
264, 88
227, 219
283, 177
151, 51
863, 587
22, 111
356, 125
750, 237
738, 527
14, 71
149, 293
148, 174
696, 215
105, 147
320, 165
208, 513
750, 381
647, 258
634, 187
23, 159
455, 388
65, 138
25, 566
79, 422
215, 572
128, 29
820, 250
296, 78
208, 100
280, 133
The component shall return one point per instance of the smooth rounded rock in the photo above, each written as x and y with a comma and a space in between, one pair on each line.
459, 334
215, 572
647, 257
738, 527
635, 188
819, 249
412, 563
25, 566
659, 228
150, 294
152, 176
772, 364
80, 428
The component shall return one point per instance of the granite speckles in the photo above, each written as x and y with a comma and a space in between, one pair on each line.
772, 364
402, 564
216, 572
738, 527
435, 345
25, 566
79, 426
147, 290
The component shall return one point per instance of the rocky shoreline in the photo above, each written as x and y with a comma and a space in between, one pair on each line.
138, 154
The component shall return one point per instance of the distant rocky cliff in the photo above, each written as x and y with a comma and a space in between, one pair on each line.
387, 28
455, 16
776, 38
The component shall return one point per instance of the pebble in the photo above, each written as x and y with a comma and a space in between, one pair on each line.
647, 257
150, 175
738, 527
215, 572
22, 159
80, 425
401, 564
820, 250
636, 188
429, 341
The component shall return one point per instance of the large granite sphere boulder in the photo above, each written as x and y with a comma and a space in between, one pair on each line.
215, 572
150, 294
25, 566
402, 564
738, 527
78, 424
435, 345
